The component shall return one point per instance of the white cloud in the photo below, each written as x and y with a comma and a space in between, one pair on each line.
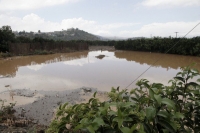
79, 62
36, 67
33, 22
171, 3
29, 4
165, 29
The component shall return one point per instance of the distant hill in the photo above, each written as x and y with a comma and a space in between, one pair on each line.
65, 35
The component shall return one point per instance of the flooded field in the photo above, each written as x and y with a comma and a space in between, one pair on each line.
97, 69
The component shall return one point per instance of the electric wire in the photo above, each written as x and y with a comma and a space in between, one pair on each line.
161, 57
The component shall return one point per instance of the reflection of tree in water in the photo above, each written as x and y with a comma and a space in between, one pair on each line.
166, 60
10, 67
100, 56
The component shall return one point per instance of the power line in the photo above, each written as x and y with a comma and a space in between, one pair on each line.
161, 57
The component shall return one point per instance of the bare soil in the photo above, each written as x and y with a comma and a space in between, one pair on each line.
39, 107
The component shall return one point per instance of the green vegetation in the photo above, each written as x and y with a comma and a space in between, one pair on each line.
64, 35
42, 52
6, 111
185, 46
6, 36
151, 108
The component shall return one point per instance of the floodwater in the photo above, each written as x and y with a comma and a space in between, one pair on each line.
97, 69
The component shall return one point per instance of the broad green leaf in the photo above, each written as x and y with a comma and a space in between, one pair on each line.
112, 112
94, 95
99, 121
63, 107
178, 115
128, 119
151, 93
112, 104
84, 120
127, 104
103, 110
125, 130
60, 107
179, 73
147, 128
196, 91
192, 84
118, 88
91, 129
163, 113
146, 85
119, 121
134, 127
155, 90
59, 113
168, 102
180, 78
158, 98
141, 128
166, 125
134, 99
165, 131
91, 99
132, 91
79, 126
157, 85
150, 112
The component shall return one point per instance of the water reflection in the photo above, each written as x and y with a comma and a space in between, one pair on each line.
10, 66
167, 60
75, 70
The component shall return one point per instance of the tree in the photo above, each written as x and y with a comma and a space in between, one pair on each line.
6, 37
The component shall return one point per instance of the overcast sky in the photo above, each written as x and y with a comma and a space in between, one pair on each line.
120, 18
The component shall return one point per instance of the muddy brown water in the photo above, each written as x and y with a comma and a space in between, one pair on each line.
74, 70
38, 84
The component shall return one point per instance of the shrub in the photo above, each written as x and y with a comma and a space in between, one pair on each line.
4, 55
6, 111
151, 108
42, 52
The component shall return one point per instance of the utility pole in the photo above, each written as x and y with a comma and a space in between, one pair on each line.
176, 34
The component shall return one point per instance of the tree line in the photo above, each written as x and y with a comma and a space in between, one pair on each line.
181, 46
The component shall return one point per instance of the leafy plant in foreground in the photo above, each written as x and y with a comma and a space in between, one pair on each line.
6, 111
151, 108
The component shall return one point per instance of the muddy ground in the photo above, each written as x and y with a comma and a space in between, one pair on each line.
39, 107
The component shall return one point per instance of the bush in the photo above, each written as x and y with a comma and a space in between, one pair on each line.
6, 111
151, 108
4, 55
42, 52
